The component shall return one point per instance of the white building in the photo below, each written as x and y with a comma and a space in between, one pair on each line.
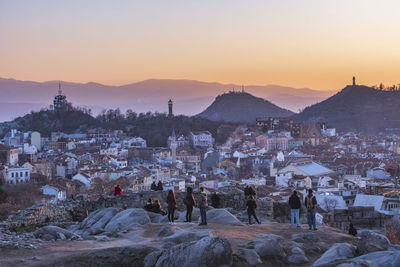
201, 139
134, 142
36, 140
17, 175
85, 179
57, 193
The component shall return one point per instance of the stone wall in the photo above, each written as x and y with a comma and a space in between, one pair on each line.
362, 217
281, 212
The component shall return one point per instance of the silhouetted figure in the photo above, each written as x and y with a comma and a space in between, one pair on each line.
251, 209
311, 203
246, 192
203, 204
153, 186
354, 81
117, 191
157, 208
215, 200
352, 230
160, 186
294, 203
189, 203
172, 206
149, 205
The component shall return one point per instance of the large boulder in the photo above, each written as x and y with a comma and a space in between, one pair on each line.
222, 216
375, 259
298, 256
195, 215
167, 230
370, 241
96, 221
54, 233
127, 219
207, 252
270, 247
250, 257
338, 252
155, 217
182, 236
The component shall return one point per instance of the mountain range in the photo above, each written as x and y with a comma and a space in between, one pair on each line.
190, 97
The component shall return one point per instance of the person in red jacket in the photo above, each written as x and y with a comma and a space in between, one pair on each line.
117, 191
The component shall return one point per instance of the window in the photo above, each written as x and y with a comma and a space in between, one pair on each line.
21, 174
12, 175
26, 173
16, 174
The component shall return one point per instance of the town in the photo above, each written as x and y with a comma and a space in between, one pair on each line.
273, 155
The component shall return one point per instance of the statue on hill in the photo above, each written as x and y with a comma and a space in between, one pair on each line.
354, 81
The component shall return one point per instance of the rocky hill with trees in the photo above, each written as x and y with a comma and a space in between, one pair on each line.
357, 108
241, 107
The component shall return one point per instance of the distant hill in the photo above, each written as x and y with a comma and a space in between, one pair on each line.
241, 107
190, 97
356, 108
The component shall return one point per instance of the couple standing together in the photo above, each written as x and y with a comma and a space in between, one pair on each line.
295, 204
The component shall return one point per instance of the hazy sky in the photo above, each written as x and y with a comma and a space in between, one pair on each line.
316, 44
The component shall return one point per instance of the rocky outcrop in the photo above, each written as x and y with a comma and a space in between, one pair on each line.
336, 253
270, 247
127, 219
96, 221
370, 241
207, 252
375, 259
222, 216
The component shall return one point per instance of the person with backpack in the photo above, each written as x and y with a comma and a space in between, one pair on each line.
203, 204
117, 191
172, 206
189, 203
294, 203
311, 203
246, 192
251, 209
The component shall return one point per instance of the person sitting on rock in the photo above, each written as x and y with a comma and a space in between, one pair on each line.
215, 200
172, 206
352, 230
149, 205
160, 186
157, 208
117, 191
153, 186
251, 209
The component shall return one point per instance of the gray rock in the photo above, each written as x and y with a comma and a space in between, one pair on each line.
182, 236
370, 241
338, 252
250, 256
151, 259
298, 259
207, 252
379, 258
127, 219
96, 221
195, 215
155, 217
308, 237
167, 230
53, 233
270, 247
359, 263
297, 250
222, 216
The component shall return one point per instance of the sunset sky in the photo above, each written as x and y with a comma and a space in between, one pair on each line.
315, 44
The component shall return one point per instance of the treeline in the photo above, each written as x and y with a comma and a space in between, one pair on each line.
157, 127
391, 88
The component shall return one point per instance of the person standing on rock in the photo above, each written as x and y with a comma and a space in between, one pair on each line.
294, 203
311, 204
189, 203
153, 186
203, 204
172, 206
251, 209
160, 186
117, 191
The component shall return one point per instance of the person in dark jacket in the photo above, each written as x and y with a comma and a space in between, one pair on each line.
117, 191
172, 206
311, 203
251, 209
246, 192
252, 191
153, 186
160, 186
294, 203
352, 230
157, 208
215, 201
189, 203
149, 205
203, 204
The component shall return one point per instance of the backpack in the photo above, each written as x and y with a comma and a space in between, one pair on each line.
310, 204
